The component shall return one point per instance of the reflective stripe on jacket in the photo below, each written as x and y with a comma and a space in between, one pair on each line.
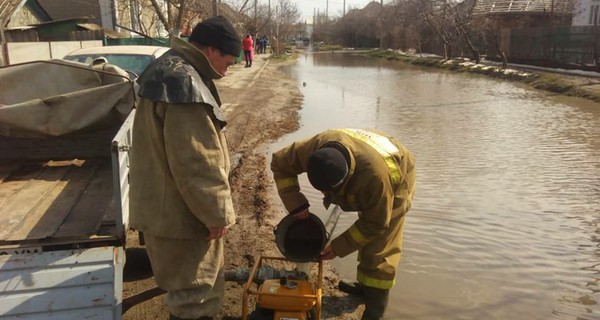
380, 179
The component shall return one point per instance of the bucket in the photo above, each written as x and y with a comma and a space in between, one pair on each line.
300, 240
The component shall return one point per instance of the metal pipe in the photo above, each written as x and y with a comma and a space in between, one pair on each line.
334, 215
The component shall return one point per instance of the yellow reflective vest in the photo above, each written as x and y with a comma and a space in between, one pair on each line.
380, 184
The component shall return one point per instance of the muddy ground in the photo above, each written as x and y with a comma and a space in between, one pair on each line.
261, 104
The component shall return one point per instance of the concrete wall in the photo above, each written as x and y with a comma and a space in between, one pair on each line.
19, 52
586, 13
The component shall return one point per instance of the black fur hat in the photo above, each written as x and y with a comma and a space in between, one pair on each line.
326, 168
218, 32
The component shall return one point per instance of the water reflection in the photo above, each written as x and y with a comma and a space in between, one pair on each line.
505, 220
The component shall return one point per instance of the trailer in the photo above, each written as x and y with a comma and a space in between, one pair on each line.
65, 132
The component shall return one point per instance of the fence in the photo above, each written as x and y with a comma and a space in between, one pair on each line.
575, 46
19, 52
138, 41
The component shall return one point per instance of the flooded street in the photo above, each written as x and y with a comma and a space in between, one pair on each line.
505, 220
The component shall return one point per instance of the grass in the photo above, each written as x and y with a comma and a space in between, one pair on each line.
328, 47
548, 82
285, 55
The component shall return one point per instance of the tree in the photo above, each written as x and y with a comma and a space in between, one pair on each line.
355, 29
461, 21
172, 15
286, 16
439, 17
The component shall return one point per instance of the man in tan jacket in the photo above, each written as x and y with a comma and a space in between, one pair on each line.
180, 194
359, 170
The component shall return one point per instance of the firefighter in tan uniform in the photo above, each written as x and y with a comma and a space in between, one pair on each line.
180, 194
359, 170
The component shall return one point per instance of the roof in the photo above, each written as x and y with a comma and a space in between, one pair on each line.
67, 9
128, 49
109, 33
523, 6
53, 22
8, 8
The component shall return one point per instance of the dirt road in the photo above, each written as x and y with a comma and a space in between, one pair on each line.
260, 104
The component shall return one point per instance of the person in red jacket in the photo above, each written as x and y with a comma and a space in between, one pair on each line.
248, 44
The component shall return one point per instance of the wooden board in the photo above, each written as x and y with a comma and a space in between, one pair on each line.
55, 200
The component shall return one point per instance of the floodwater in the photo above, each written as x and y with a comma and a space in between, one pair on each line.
505, 222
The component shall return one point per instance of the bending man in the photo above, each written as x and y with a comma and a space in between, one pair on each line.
359, 170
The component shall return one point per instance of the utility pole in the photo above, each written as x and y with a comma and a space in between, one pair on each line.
215, 8
319, 16
327, 10
344, 9
255, 20
381, 26
276, 30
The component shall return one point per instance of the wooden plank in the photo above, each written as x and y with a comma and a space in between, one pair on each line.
28, 197
48, 278
57, 299
57, 259
15, 177
93, 313
62, 285
47, 217
86, 216
106, 238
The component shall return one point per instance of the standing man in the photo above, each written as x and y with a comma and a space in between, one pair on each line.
359, 170
180, 194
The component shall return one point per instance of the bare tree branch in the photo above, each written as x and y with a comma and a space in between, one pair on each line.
161, 15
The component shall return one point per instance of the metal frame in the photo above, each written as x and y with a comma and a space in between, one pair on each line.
121, 145
249, 287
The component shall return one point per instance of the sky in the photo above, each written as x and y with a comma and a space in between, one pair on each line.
333, 7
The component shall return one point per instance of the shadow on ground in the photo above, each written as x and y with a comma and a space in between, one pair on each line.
137, 265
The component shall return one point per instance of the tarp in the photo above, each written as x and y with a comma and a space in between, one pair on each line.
56, 97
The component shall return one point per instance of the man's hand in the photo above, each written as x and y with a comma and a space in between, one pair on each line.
327, 253
216, 232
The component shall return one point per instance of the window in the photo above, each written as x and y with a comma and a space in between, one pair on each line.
594, 9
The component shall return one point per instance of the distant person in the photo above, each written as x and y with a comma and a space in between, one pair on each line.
248, 45
257, 44
263, 44
359, 170
180, 192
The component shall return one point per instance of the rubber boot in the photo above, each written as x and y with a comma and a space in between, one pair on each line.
351, 287
376, 301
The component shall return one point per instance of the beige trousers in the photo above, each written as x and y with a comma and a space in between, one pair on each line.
378, 260
191, 271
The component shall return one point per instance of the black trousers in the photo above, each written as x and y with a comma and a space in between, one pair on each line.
248, 57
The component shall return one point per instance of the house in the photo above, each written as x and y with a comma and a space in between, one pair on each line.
25, 24
16, 15
586, 13
99, 12
523, 13
548, 33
